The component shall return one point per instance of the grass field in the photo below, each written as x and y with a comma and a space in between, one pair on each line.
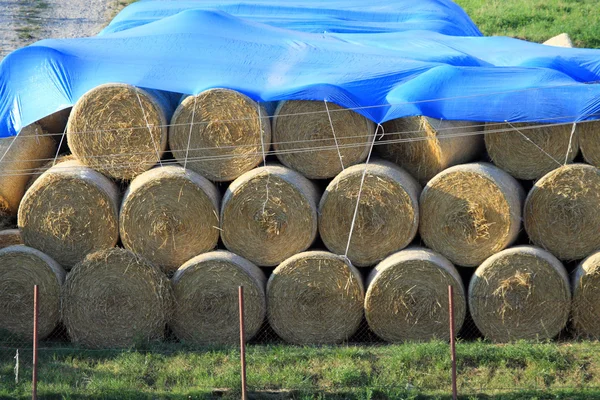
514, 371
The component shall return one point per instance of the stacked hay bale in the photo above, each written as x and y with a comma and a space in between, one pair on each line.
586, 297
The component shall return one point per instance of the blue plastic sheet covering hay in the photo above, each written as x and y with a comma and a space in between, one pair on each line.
388, 58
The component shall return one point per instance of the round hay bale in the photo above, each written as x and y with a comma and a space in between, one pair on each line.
10, 237
206, 297
589, 141
520, 293
269, 214
388, 213
70, 211
470, 211
527, 151
586, 297
45, 167
304, 141
407, 296
114, 298
21, 268
561, 211
225, 138
169, 215
21, 155
315, 297
110, 131
426, 146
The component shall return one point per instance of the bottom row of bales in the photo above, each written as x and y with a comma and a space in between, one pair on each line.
114, 298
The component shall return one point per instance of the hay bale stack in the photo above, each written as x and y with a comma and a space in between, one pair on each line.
56, 122
561, 211
471, 211
528, 151
269, 214
225, 138
45, 167
21, 155
589, 141
206, 297
520, 293
315, 297
169, 215
426, 146
586, 297
114, 298
303, 139
407, 296
70, 211
119, 130
388, 213
10, 237
21, 268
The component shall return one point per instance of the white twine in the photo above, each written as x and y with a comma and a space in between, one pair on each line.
149, 128
334, 136
187, 150
262, 147
62, 138
570, 142
532, 142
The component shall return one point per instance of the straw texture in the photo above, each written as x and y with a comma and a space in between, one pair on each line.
35, 174
561, 211
169, 215
70, 211
21, 268
388, 213
315, 297
471, 211
206, 296
426, 146
225, 138
589, 140
520, 293
407, 296
269, 214
10, 237
530, 153
110, 131
299, 126
116, 299
586, 297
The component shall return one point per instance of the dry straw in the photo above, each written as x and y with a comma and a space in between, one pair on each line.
586, 297
45, 167
118, 129
520, 293
20, 156
115, 299
526, 152
21, 268
10, 237
225, 138
426, 146
169, 215
70, 211
471, 211
589, 141
387, 218
299, 126
561, 211
315, 298
407, 296
269, 214
206, 296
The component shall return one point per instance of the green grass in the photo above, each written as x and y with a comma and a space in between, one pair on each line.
538, 20
521, 370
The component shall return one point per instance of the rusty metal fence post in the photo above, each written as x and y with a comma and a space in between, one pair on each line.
452, 341
35, 342
242, 344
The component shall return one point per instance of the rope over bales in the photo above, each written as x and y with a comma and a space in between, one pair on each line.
388, 213
70, 211
299, 126
529, 152
21, 268
10, 237
206, 296
119, 130
315, 298
426, 146
520, 293
269, 214
114, 298
561, 211
586, 297
45, 167
225, 138
470, 211
169, 215
407, 296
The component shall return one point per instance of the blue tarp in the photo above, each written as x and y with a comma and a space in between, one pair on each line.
390, 58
